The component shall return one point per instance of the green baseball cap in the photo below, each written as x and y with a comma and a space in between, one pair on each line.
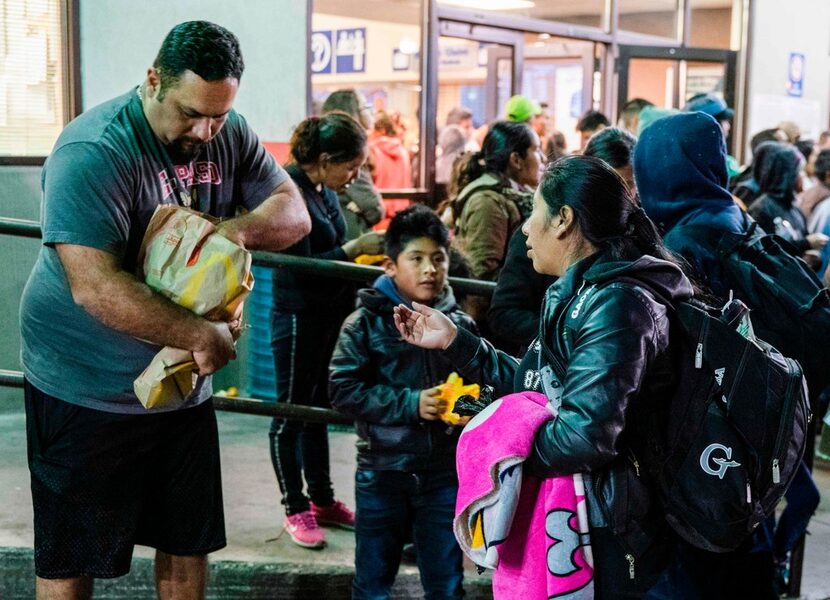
521, 108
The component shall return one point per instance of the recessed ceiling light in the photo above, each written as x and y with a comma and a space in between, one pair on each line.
492, 4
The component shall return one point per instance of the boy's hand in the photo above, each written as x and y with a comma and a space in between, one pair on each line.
429, 406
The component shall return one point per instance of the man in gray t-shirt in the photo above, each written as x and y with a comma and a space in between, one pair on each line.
90, 326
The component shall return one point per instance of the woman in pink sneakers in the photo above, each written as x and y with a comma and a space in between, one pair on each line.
326, 153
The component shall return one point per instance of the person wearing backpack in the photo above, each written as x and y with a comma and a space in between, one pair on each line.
604, 335
680, 170
775, 210
497, 186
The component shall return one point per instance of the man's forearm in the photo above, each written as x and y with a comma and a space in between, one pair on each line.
279, 222
125, 304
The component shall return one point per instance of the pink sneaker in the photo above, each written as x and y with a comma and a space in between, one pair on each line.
304, 530
336, 515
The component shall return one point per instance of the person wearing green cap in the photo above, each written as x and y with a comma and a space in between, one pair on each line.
522, 109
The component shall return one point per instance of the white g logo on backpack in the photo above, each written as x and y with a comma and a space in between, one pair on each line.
723, 463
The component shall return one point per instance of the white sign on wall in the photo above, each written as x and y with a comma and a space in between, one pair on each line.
338, 51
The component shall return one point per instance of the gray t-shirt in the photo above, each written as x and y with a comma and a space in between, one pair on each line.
106, 175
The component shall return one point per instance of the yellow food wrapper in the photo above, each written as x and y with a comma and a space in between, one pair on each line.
184, 259
370, 259
451, 391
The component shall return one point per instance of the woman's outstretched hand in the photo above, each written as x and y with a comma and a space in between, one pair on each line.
425, 327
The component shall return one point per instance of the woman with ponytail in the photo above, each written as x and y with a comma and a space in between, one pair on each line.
604, 333
496, 195
327, 153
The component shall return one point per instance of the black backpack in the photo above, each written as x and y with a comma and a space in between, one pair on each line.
790, 308
727, 444
724, 447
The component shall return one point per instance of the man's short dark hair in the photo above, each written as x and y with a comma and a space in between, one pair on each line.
822, 166
209, 50
459, 114
412, 223
613, 145
592, 120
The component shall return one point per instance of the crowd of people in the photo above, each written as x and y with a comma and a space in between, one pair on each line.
590, 252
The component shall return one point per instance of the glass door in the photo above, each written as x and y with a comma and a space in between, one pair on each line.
670, 76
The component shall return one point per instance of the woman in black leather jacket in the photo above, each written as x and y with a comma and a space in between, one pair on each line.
605, 334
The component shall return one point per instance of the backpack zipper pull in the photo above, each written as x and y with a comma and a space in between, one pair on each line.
748, 493
630, 559
776, 472
634, 462
699, 356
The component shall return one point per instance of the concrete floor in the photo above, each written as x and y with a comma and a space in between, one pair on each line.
254, 515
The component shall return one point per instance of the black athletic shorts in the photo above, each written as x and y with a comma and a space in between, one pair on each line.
103, 482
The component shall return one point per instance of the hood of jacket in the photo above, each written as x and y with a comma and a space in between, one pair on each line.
384, 296
776, 171
391, 147
680, 170
665, 280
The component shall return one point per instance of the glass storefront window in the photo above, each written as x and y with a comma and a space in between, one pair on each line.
558, 73
373, 47
31, 77
711, 24
652, 17
588, 13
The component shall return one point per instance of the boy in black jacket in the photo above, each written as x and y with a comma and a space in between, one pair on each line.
405, 480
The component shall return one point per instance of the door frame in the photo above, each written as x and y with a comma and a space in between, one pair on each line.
728, 58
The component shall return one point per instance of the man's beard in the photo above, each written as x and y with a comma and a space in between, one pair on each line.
185, 150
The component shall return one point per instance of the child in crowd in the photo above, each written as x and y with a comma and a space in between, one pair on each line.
405, 481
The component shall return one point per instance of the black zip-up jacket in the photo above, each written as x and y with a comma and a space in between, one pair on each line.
295, 291
606, 323
377, 377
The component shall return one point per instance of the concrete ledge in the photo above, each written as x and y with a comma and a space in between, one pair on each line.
229, 580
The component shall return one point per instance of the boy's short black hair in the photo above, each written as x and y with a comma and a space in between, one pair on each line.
412, 223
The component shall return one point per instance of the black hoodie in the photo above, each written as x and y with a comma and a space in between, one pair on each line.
775, 209
680, 168
377, 377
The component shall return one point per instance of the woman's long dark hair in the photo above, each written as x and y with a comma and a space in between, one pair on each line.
502, 140
607, 214
335, 133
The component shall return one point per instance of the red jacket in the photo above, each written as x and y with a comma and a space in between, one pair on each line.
392, 168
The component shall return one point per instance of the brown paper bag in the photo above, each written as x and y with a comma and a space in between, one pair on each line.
184, 259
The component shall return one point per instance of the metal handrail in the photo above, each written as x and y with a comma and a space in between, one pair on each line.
238, 404
20, 227
315, 266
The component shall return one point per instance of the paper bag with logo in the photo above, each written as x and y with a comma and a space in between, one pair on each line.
183, 258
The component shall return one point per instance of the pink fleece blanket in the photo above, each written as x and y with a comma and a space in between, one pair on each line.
533, 532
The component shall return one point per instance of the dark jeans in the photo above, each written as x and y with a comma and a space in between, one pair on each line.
802, 501
390, 505
700, 575
302, 345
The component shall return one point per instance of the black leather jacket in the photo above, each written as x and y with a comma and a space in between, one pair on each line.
377, 377
605, 323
